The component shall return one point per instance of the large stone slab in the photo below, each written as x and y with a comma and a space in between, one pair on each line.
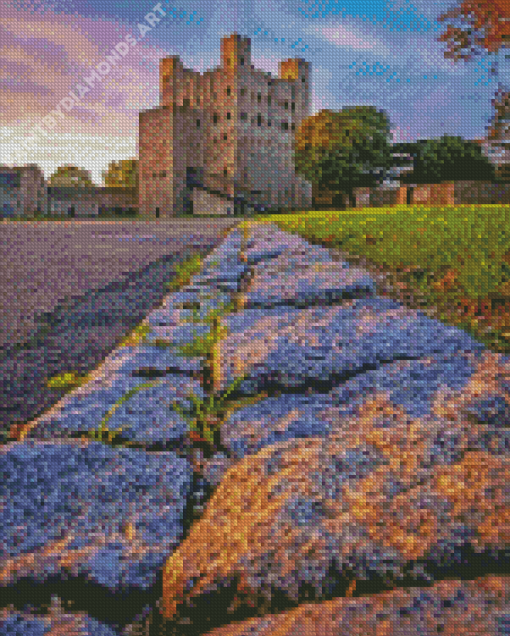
290, 279
266, 241
440, 390
321, 346
480, 607
302, 519
16, 623
147, 417
232, 273
88, 521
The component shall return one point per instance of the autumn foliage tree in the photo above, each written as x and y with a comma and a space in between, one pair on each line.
476, 26
123, 173
71, 176
342, 150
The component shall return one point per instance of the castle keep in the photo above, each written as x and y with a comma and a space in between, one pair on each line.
228, 131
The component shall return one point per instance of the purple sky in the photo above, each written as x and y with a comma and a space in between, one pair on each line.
378, 52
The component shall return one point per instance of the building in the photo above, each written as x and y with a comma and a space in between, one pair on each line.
228, 131
496, 145
92, 201
22, 191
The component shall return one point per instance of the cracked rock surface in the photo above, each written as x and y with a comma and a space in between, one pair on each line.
364, 491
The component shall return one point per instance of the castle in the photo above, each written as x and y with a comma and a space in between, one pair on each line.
227, 132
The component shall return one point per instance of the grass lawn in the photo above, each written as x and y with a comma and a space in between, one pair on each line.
457, 257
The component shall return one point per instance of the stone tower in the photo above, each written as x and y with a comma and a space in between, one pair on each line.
233, 126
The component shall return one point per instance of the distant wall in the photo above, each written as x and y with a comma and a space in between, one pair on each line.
445, 193
456, 192
481, 192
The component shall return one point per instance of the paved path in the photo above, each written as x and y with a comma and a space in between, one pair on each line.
95, 281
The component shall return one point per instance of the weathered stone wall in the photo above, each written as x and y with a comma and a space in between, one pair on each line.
481, 192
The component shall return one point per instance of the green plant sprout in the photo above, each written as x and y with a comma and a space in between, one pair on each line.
103, 430
69, 379
138, 335
202, 418
184, 272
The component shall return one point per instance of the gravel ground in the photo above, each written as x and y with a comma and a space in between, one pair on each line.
75, 290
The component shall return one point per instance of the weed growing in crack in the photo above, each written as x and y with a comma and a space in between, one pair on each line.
67, 380
205, 416
184, 272
137, 336
103, 431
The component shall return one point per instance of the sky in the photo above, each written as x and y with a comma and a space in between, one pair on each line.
383, 53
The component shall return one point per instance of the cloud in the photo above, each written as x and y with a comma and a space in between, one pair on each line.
45, 56
350, 37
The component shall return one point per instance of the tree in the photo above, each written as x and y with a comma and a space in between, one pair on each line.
123, 173
343, 150
449, 159
71, 176
476, 26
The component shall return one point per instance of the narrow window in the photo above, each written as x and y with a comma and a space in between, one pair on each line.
269, 122
259, 119
224, 136
228, 115
198, 100
286, 105
303, 80
215, 118
269, 100
244, 116
242, 61
225, 172
292, 126
259, 98
243, 91
198, 123
285, 125
293, 106
228, 90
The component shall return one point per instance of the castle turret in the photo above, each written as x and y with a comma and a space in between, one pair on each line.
297, 70
171, 71
235, 53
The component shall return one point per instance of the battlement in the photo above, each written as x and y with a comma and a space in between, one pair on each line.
235, 52
294, 69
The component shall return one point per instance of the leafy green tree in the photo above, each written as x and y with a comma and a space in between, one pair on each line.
450, 159
344, 150
122, 174
71, 176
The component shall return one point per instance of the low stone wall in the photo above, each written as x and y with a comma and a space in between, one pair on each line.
456, 193
481, 192
445, 193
